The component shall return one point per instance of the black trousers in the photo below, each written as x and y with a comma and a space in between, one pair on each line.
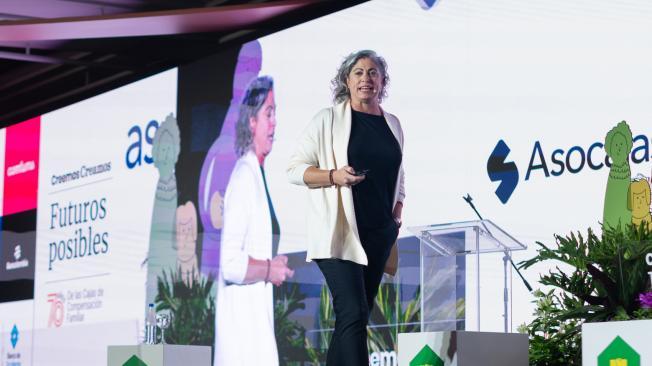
353, 288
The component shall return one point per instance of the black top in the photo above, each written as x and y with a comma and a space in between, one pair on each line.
372, 146
276, 229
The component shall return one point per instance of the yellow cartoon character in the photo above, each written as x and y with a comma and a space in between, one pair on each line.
638, 201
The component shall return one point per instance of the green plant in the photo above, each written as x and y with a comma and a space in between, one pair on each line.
290, 335
389, 318
553, 341
326, 322
192, 308
607, 274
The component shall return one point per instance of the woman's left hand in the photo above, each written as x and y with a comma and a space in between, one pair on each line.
397, 212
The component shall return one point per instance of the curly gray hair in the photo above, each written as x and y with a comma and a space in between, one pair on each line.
341, 91
252, 101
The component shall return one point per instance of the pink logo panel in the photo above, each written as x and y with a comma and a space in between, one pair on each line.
21, 166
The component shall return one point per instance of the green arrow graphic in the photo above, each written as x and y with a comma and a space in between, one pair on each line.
426, 357
134, 361
620, 353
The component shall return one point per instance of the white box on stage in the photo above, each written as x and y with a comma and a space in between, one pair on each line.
458, 348
624, 343
159, 355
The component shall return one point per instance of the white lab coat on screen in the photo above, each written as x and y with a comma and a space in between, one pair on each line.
244, 321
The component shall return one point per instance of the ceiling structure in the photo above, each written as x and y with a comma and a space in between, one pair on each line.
56, 52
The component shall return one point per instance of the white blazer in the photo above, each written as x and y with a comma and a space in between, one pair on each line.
245, 312
332, 228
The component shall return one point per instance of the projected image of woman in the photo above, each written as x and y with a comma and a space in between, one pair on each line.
350, 156
249, 263
220, 160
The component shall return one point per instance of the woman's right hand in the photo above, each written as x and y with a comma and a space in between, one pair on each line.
279, 271
345, 177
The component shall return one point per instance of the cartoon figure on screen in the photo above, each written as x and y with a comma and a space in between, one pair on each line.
618, 145
162, 254
249, 264
638, 200
187, 242
221, 158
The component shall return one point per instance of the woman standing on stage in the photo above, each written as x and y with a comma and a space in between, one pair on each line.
350, 156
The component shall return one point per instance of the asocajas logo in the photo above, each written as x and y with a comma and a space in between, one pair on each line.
501, 171
545, 163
